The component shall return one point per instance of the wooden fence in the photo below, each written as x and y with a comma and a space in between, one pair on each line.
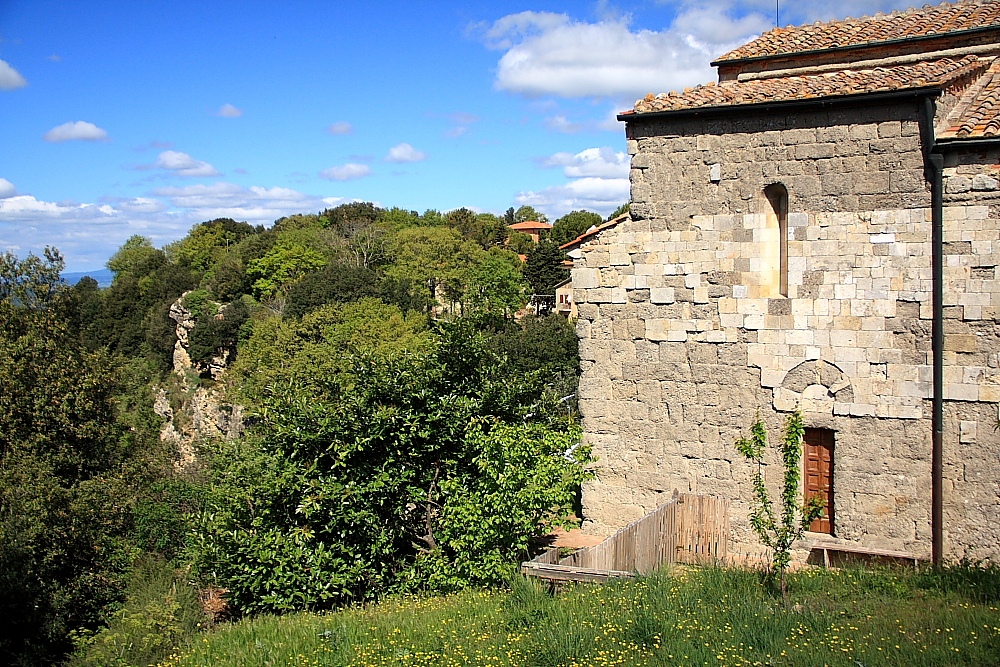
688, 529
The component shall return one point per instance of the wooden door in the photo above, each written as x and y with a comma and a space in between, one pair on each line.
818, 445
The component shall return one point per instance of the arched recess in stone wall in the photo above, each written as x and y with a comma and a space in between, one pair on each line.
813, 386
777, 218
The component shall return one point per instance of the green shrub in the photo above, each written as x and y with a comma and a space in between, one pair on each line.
161, 613
199, 303
423, 471
162, 515
212, 332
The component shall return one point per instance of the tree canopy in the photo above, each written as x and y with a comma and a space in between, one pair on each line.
544, 268
572, 225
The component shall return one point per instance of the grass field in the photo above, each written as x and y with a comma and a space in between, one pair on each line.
715, 617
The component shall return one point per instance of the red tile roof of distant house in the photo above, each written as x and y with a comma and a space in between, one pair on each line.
871, 30
530, 224
844, 81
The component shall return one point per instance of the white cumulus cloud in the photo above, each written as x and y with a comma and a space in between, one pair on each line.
140, 205
89, 233
552, 54
603, 195
600, 162
183, 164
255, 204
405, 153
346, 172
229, 111
76, 131
340, 127
7, 189
10, 78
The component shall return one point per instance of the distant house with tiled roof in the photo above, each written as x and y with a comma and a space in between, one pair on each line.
818, 230
532, 228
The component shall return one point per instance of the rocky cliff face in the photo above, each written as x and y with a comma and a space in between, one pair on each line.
185, 320
194, 412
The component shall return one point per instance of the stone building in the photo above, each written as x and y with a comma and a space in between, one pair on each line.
779, 256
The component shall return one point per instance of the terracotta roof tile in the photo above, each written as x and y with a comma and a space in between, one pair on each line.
912, 23
593, 231
843, 82
530, 224
977, 115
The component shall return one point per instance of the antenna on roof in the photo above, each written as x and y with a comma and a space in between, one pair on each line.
776, 21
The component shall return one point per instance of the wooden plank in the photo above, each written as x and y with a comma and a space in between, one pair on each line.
547, 556
857, 549
688, 528
567, 573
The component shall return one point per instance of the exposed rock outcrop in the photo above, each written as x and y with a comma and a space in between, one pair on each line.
194, 412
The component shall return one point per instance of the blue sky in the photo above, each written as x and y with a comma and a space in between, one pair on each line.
149, 117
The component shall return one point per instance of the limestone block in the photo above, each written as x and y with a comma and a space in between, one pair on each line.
715, 173
961, 342
967, 432
771, 378
599, 295
906, 412
658, 329
977, 212
958, 185
952, 213
716, 336
915, 389
585, 278
862, 410
661, 295
982, 182
596, 388
961, 392
731, 320
989, 393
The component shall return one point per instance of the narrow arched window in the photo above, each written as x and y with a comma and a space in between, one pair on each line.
777, 196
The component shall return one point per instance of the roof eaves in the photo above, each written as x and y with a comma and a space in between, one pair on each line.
854, 47
594, 232
971, 143
783, 105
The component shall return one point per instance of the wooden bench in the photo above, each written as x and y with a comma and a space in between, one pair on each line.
867, 554
555, 572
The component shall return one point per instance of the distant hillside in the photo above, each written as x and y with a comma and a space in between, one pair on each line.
102, 276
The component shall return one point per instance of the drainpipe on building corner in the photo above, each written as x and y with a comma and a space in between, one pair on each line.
934, 163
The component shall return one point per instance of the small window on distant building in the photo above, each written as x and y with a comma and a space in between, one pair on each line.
818, 455
777, 196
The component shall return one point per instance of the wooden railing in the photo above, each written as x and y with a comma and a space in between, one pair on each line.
688, 529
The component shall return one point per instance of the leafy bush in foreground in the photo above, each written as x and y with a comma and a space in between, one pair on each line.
428, 470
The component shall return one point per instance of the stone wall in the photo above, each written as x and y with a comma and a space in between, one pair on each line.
839, 160
682, 343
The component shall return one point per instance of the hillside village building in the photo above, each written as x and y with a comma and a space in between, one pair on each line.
532, 228
779, 256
